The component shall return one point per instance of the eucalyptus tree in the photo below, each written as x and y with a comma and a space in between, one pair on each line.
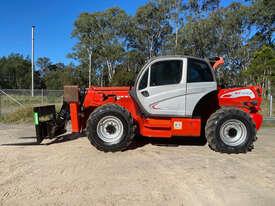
262, 21
43, 64
149, 30
261, 70
101, 34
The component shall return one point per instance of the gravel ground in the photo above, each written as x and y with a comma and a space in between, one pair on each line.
173, 172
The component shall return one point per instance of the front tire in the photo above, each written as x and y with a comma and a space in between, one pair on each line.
110, 128
230, 130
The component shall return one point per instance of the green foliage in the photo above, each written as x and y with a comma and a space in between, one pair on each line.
261, 70
102, 35
58, 77
123, 78
262, 16
15, 72
149, 30
263, 63
43, 63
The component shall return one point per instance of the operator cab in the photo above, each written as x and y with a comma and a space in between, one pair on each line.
172, 86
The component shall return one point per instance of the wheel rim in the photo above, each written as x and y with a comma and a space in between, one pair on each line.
110, 129
233, 132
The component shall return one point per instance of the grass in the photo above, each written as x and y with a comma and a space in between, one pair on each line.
6, 102
268, 124
24, 114
11, 112
21, 115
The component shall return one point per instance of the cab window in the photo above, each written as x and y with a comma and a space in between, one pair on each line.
143, 81
198, 71
166, 72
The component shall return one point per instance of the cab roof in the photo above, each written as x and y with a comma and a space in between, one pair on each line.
215, 62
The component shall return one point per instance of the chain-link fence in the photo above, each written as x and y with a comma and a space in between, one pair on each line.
14, 99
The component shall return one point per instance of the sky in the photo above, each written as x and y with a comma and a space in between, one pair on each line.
53, 20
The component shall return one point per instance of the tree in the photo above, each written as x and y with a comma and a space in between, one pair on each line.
123, 78
43, 64
173, 11
148, 30
60, 75
222, 33
261, 70
15, 72
262, 17
102, 35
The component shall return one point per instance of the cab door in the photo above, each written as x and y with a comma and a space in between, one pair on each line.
161, 88
200, 82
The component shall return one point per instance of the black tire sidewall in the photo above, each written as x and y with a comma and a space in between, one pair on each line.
249, 138
93, 129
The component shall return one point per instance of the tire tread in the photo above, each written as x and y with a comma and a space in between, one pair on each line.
121, 146
211, 126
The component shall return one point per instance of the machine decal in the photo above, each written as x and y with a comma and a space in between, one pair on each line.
239, 93
154, 106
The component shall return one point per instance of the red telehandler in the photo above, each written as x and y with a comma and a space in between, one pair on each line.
172, 96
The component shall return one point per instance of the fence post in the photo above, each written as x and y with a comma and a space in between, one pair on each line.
42, 96
270, 106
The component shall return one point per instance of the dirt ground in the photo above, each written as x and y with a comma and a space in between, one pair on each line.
152, 172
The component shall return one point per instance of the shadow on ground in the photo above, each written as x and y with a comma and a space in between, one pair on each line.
139, 141
57, 140
168, 142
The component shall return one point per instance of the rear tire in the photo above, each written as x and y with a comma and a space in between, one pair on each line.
230, 130
111, 128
